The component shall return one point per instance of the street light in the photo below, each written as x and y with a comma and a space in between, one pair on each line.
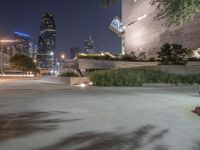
62, 56
2, 42
62, 59
52, 54
58, 68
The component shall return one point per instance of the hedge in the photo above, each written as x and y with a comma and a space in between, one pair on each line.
68, 74
137, 77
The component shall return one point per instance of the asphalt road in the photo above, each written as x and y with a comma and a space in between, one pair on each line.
37, 116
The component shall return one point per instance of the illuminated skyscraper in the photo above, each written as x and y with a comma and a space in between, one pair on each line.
24, 46
47, 41
89, 45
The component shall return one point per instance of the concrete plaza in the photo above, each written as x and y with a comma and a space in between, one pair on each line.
37, 116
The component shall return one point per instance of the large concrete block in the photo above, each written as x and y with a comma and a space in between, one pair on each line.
147, 35
68, 81
90, 64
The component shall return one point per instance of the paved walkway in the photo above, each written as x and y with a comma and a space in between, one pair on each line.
37, 116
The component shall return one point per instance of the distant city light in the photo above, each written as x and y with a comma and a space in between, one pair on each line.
17, 75
63, 56
22, 34
8, 41
51, 53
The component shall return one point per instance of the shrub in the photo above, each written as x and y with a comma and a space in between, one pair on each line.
127, 57
137, 77
142, 56
152, 59
68, 74
174, 54
24, 63
95, 56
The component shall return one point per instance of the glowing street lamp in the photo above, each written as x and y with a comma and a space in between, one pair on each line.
62, 59
2, 42
62, 56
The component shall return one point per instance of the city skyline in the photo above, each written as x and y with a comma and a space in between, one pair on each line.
100, 75
73, 27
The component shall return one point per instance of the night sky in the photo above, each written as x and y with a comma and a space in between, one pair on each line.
75, 21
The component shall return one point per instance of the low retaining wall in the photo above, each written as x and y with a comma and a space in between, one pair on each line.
172, 69
191, 68
180, 70
85, 64
68, 81
193, 63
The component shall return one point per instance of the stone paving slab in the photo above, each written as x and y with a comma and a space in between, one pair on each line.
36, 116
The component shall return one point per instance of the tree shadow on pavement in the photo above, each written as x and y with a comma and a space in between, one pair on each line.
26, 123
197, 146
142, 137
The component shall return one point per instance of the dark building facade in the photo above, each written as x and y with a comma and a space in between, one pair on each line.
89, 45
5, 56
147, 35
74, 51
47, 41
24, 44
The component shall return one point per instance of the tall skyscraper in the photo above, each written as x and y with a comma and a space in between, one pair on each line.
74, 51
35, 49
24, 46
47, 41
5, 56
89, 45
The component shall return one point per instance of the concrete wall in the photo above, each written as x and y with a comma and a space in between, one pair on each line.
172, 69
193, 63
180, 70
107, 64
148, 35
68, 81
56, 80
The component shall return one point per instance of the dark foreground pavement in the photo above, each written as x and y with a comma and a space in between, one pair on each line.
37, 116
